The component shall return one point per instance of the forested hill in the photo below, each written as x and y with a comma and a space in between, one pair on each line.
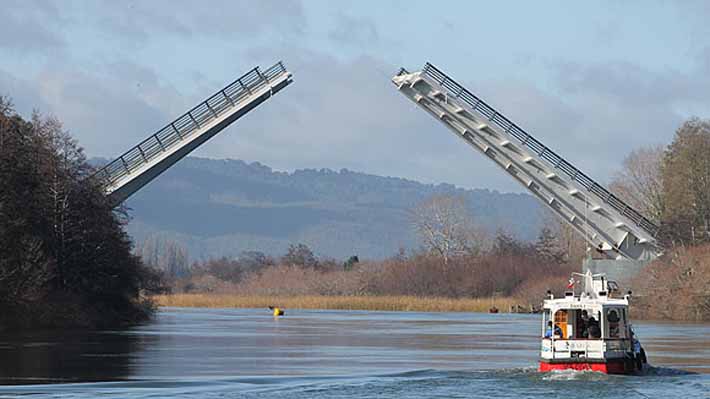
223, 207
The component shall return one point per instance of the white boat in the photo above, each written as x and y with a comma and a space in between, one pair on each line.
590, 330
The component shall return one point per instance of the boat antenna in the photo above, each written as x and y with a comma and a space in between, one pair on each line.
586, 227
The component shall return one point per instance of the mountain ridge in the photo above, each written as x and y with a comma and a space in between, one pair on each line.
220, 207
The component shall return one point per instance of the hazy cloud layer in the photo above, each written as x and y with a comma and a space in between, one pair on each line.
342, 111
354, 30
30, 26
142, 19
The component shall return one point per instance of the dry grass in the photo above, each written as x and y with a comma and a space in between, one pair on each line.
391, 303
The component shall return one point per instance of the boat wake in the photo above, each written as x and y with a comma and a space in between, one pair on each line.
508, 382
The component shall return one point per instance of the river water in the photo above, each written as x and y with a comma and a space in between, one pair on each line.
235, 353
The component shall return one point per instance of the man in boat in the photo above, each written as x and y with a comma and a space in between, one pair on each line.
548, 332
583, 323
593, 330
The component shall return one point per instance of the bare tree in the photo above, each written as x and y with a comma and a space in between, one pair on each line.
567, 239
300, 255
548, 247
640, 182
686, 183
166, 255
64, 258
445, 226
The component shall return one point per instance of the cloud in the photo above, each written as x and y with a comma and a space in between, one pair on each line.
30, 26
145, 19
108, 110
347, 114
341, 112
354, 30
626, 105
593, 115
38, 25
24, 93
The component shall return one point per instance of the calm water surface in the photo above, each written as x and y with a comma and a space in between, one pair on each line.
233, 353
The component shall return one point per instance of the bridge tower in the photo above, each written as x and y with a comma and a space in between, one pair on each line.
609, 225
138, 166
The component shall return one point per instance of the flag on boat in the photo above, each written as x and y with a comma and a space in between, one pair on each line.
570, 283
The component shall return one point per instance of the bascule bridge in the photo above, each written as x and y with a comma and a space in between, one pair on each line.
609, 225
138, 166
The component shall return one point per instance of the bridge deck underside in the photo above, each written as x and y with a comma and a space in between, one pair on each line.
139, 165
610, 226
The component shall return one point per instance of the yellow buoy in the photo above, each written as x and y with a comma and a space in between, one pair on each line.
277, 311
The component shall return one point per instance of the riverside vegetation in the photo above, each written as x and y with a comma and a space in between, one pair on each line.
64, 259
341, 302
508, 273
459, 262
67, 261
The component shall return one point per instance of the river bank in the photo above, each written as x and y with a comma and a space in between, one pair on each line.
387, 303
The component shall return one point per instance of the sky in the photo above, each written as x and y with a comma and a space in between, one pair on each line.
591, 80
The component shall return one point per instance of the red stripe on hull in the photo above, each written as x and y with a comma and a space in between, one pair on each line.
612, 367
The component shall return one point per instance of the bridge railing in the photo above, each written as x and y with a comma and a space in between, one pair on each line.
189, 123
525, 139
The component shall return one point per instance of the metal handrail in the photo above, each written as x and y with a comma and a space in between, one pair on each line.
527, 140
185, 125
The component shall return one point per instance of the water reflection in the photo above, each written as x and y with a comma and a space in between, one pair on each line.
68, 356
218, 344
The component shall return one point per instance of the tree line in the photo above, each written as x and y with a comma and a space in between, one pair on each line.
670, 184
504, 266
65, 259
457, 258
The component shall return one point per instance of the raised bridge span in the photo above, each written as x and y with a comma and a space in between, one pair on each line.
138, 166
605, 221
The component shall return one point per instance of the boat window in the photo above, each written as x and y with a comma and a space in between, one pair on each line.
592, 328
613, 318
545, 319
580, 325
561, 322
587, 324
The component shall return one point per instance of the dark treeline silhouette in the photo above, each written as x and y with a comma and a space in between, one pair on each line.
64, 257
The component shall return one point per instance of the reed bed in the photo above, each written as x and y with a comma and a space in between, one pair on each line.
387, 303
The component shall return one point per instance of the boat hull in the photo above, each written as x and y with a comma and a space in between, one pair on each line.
609, 366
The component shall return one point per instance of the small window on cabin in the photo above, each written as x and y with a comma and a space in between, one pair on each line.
612, 317
546, 318
561, 322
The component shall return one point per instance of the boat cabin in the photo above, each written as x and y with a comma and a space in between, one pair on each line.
586, 328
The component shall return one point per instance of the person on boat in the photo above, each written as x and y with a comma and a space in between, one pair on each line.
583, 325
549, 331
593, 330
613, 319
